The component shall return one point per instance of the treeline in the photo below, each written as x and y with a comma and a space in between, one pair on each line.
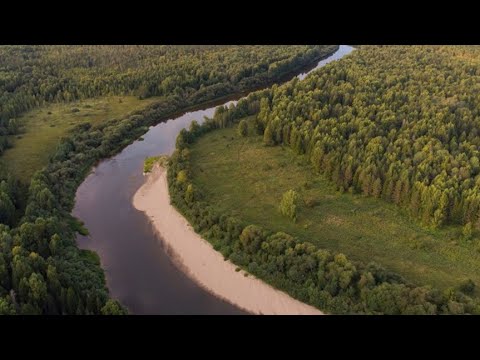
41, 253
12, 199
316, 276
31, 76
42, 271
400, 123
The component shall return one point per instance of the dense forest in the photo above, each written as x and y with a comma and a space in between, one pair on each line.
31, 76
41, 269
325, 279
394, 122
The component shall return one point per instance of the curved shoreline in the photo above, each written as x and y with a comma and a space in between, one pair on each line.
204, 264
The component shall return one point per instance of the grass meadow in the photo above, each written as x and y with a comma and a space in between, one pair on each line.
45, 126
243, 177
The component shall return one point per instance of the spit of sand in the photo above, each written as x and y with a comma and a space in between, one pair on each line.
204, 264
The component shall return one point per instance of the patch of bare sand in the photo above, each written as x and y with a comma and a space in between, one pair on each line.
204, 264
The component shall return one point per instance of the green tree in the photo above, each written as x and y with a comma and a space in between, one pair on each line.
251, 238
6, 308
38, 288
182, 177
189, 194
397, 192
467, 231
113, 307
415, 202
242, 128
4, 275
7, 209
288, 204
13, 126
377, 188
268, 136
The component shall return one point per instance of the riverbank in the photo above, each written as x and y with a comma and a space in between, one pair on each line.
205, 265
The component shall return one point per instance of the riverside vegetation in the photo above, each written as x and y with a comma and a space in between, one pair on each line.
382, 146
42, 271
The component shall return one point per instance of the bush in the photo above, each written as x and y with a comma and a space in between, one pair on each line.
467, 287
311, 202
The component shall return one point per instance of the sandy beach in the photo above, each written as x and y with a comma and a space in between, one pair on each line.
204, 264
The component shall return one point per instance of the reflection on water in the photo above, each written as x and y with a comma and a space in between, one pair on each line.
139, 271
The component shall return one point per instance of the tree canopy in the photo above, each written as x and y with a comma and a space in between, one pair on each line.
42, 271
395, 122
325, 279
31, 76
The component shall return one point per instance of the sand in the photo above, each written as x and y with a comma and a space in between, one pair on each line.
205, 265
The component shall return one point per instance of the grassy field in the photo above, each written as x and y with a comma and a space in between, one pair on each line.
44, 127
243, 177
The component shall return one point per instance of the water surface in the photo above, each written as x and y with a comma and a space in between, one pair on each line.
140, 273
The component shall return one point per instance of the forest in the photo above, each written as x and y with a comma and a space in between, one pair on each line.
397, 123
42, 271
318, 276
31, 76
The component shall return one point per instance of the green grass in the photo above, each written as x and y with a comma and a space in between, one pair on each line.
44, 127
243, 177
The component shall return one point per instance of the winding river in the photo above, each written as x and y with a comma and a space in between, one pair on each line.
139, 270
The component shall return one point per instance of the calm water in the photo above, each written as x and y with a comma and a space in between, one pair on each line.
341, 52
139, 271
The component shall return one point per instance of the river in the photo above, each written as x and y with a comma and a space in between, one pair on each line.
139, 271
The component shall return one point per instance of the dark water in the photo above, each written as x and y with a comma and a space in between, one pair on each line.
139, 271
